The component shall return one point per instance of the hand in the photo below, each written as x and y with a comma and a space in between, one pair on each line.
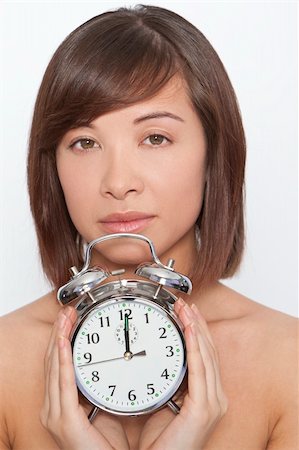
127, 337
203, 405
61, 414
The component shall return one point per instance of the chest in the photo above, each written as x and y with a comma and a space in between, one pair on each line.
245, 425
245, 379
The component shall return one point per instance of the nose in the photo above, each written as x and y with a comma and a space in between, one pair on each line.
121, 176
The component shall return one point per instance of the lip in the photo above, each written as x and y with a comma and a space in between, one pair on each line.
126, 222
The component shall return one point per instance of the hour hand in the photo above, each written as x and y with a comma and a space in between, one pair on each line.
127, 336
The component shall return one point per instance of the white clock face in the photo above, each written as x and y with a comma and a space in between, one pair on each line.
129, 356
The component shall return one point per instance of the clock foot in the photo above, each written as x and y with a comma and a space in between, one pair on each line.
174, 407
93, 413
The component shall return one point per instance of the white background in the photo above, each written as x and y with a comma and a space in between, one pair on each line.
257, 42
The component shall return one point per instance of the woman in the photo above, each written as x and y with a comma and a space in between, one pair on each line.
136, 128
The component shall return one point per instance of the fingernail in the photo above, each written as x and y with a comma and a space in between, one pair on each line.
193, 306
181, 302
192, 328
61, 341
62, 320
196, 310
68, 311
188, 311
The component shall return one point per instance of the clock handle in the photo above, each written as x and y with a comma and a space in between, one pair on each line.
117, 236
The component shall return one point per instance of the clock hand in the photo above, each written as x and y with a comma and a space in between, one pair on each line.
127, 337
141, 353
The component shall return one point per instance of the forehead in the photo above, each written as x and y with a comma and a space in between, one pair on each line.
171, 99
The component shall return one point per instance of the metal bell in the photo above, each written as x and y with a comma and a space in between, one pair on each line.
81, 283
165, 276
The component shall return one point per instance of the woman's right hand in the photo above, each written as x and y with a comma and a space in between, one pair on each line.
61, 414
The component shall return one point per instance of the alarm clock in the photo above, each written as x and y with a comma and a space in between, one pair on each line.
128, 345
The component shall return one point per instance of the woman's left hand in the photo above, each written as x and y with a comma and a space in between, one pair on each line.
205, 402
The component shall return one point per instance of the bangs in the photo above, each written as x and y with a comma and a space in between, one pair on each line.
106, 69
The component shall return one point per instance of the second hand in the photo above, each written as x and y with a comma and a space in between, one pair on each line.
141, 353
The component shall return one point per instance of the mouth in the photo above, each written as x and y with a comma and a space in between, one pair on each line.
128, 222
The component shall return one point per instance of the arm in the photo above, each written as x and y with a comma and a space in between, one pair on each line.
285, 432
4, 439
4, 436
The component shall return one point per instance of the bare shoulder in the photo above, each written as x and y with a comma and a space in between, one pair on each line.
263, 345
21, 327
24, 334
25, 329
279, 334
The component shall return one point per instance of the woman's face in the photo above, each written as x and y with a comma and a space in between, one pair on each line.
140, 169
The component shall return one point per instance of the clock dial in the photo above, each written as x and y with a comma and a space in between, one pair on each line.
129, 356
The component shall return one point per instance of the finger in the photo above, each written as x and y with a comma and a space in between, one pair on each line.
51, 342
178, 305
69, 399
197, 387
68, 312
47, 359
204, 325
207, 355
215, 392
194, 313
46, 366
53, 372
71, 313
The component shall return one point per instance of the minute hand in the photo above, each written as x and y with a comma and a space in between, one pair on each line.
127, 337
141, 353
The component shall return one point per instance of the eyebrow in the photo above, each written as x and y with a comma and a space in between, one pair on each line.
157, 115
154, 115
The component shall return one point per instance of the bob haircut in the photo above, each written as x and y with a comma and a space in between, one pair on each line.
114, 60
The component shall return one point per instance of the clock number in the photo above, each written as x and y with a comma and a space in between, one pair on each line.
170, 351
95, 375
92, 338
102, 321
131, 396
146, 318
150, 389
88, 357
128, 313
113, 386
165, 374
163, 335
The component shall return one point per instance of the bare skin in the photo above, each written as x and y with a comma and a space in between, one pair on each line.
257, 349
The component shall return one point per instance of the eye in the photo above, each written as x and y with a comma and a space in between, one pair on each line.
84, 144
156, 139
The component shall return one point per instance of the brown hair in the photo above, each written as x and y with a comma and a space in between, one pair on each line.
116, 59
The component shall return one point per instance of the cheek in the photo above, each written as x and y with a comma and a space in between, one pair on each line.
78, 190
185, 187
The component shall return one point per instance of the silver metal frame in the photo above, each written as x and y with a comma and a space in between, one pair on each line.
120, 293
87, 279
108, 237
88, 290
